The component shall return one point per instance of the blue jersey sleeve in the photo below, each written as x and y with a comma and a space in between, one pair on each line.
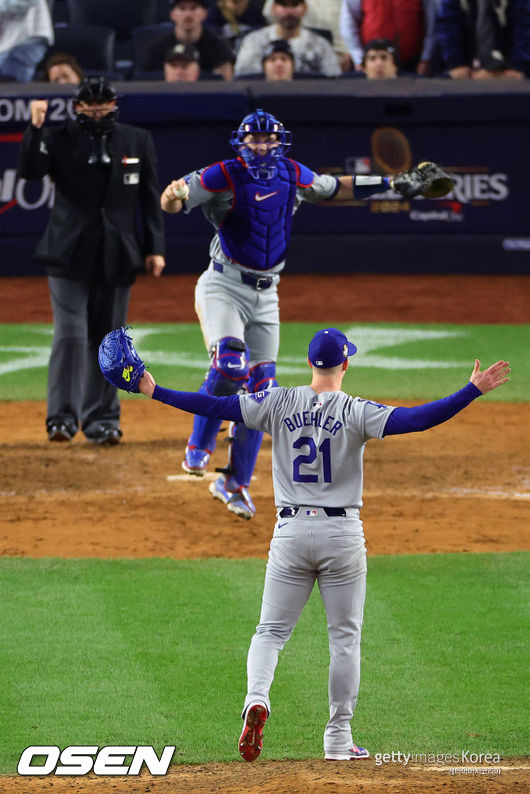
202, 404
421, 417
214, 178
304, 176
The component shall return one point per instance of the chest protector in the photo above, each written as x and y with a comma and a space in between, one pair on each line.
255, 232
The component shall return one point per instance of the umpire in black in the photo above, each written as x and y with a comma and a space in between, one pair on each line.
106, 185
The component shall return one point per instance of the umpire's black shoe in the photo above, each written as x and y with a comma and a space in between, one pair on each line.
105, 434
59, 432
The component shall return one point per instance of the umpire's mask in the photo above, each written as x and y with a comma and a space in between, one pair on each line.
95, 105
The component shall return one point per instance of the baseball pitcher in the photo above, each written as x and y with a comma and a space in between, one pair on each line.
250, 200
318, 438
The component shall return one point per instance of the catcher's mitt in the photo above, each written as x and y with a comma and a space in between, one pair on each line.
427, 179
119, 362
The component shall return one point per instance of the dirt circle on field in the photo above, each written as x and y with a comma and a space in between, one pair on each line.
463, 486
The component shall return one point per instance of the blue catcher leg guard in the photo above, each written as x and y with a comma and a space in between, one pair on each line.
228, 373
245, 443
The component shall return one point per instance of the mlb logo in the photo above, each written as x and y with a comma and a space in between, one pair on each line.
358, 165
131, 179
311, 513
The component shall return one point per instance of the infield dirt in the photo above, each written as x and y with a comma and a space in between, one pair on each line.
459, 487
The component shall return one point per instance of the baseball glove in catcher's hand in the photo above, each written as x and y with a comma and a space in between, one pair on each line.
119, 362
427, 179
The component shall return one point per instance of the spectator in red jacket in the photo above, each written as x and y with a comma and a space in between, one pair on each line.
408, 24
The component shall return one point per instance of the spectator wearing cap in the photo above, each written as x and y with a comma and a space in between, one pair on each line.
188, 16
233, 19
323, 15
278, 62
181, 64
62, 68
313, 54
409, 23
380, 61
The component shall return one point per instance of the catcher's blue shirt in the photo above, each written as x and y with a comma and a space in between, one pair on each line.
248, 240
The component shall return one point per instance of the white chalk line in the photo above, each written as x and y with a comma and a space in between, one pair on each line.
452, 493
209, 475
367, 338
370, 494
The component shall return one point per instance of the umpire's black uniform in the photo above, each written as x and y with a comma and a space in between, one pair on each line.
91, 251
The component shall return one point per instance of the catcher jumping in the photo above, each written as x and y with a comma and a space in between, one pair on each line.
250, 200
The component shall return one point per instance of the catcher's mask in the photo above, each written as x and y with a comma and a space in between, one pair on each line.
261, 155
96, 91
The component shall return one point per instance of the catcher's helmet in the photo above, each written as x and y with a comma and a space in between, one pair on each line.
261, 166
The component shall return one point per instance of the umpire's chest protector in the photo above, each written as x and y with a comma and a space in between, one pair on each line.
256, 231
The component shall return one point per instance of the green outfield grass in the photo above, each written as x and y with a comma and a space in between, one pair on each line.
407, 361
154, 652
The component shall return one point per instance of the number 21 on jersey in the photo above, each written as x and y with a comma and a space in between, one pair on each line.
325, 452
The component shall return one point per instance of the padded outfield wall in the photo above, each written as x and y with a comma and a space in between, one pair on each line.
478, 130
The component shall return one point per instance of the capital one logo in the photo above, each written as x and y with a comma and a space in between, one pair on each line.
82, 759
17, 193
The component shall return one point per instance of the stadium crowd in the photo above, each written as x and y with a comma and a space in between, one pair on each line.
273, 40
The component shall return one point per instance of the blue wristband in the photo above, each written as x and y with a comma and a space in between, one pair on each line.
366, 186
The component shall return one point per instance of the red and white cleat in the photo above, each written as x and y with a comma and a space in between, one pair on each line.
251, 740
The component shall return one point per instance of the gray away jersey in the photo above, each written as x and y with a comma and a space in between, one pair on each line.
318, 442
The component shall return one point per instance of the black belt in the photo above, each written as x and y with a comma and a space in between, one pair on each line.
290, 512
256, 282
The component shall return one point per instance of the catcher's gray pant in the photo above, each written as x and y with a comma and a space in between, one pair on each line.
227, 307
332, 551
82, 315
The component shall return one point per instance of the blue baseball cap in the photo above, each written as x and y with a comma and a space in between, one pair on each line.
329, 347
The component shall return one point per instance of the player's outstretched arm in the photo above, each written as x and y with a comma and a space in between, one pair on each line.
422, 417
490, 378
174, 195
193, 402
426, 179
